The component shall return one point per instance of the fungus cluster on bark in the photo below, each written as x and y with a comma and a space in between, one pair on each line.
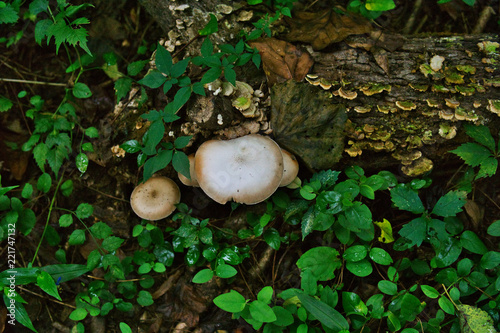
246, 170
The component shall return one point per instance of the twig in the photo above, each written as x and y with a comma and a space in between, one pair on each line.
34, 82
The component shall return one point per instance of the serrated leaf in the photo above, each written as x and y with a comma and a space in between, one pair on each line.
101, 230
8, 14
65, 220
5, 104
407, 199
84, 210
40, 154
56, 157
482, 135
450, 204
487, 168
112, 243
472, 153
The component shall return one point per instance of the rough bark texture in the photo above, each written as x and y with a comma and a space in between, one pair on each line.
406, 98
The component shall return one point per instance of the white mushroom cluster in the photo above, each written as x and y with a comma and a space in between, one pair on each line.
247, 170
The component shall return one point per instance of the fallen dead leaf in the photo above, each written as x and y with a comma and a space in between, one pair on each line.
475, 212
326, 27
282, 61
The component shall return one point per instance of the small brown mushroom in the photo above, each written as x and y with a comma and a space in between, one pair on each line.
155, 199
193, 181
290, 168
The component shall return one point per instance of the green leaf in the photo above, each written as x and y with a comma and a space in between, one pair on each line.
355, 253
447, 252
65, 220
231, 302
101, 230
84, 210
225, 271
67, 188
446, 305
211, 75
92, 132
429, 291
203, 276
380, 256
156, 163
181, 97
482, 135
472, 242
415, 231
450, 204
78, 314
322, 261
124, 328
406, 198
472, 153
144, 298
82, 162
136, 67
262, 312
475, 320
5, 103
81, 90
77, 237
154, 79
44, 183
25, 193
494, 229
182, 141
210, 28
359, 217
326, 315
380, 5
490, 260
163, 59
45, 281
410, 307
265, 294
360, 268
487, 168
180, 162
272, 238
283, 317
353, 304
230, 75
112, 243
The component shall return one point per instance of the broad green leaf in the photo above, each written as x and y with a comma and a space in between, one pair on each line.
144, 298
487, 168
355, 253
180, 162
231, 302
322, 261
407, 199
359, 217
131, 146
81, 90
482, 135
77, 237
472, 242
78, 314
179, 68
210, 28
65, 220
380, 5
44, 183
112, 243
360, 268
380, 256
307, 223
84, 210
388, 287
326, 315
429, 291
101, 230
415, 231
82, 162
272, 238
8, 14
181, 97
447, 252
446, 305
410, 307
265, 294
203, 276
156, 163
472, 153
261, 311
124, 328
283, 317
163, 60
45, 281
182, 141
136, 67
353, 304
450, 204
154, 79
5, 103
225, 271
490, 260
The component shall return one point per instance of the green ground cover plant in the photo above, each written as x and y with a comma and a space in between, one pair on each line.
457, 284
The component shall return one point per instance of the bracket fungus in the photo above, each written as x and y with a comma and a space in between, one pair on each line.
155, 199
247, 169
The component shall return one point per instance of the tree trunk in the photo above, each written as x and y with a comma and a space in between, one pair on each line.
399, 99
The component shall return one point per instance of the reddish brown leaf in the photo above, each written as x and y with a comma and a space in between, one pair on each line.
282, 61
326, 27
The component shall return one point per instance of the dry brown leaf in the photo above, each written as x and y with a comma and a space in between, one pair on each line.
326, 27
282, 61
475, 212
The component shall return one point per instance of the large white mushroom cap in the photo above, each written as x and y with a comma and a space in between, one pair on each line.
247, 169
290, 168
155, 199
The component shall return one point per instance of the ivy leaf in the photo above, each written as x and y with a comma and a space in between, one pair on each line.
450, 204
